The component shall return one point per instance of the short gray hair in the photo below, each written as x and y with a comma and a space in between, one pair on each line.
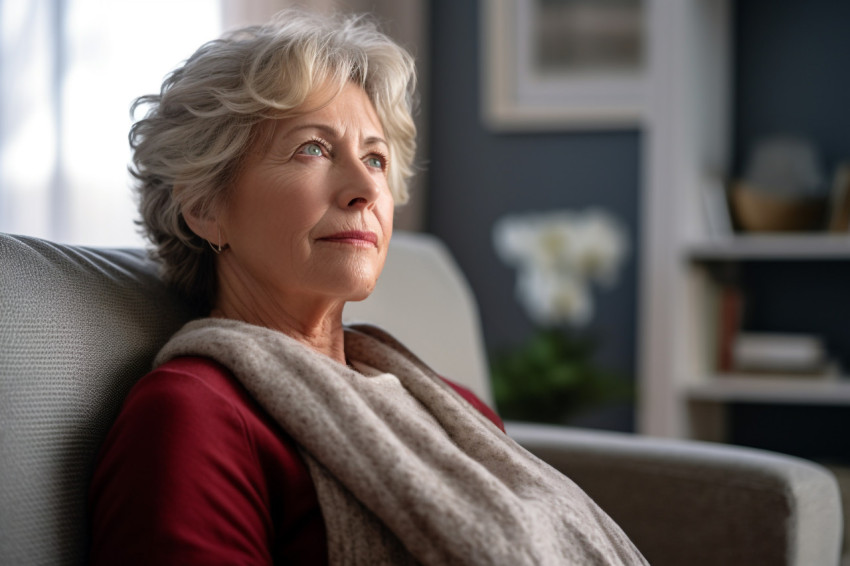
190, 145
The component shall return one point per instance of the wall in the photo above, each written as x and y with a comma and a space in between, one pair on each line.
791, 74
477, 176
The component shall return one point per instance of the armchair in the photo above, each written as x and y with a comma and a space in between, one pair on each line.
79, 325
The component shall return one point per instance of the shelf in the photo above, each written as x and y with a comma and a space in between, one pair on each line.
814, 391
773, 247
688, 264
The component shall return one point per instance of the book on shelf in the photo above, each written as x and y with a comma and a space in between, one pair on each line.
839, 206
829, 372
731, 306
780, 355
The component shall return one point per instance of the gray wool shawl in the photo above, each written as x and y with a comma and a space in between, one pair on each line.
406, 471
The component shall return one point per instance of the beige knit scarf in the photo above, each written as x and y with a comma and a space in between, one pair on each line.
405, 469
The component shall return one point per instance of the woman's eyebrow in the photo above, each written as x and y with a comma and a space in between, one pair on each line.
328, 130
372, 141
332, 132
376, 140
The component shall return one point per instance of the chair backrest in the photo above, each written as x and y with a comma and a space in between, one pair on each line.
78, 327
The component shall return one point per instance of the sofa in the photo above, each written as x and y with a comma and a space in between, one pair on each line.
79, 325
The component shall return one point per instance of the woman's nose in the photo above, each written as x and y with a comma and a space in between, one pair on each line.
360, 186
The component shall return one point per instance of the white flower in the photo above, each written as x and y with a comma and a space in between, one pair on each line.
552, 297
514, 238
599, 247
538, 240
554, 242
557, 254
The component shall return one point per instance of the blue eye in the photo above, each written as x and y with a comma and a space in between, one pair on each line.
375, 162
313, 149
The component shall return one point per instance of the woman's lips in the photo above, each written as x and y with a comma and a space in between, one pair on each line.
353, 237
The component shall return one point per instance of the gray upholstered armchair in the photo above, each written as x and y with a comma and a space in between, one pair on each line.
78, 326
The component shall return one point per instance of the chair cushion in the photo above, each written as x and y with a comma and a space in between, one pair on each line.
78, 327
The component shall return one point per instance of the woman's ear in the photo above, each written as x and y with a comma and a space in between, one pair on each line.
204, 225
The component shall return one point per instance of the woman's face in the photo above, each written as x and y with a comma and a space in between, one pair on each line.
310, 215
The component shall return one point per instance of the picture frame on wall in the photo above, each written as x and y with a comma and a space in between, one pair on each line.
564, 64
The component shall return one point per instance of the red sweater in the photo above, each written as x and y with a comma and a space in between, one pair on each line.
194, 472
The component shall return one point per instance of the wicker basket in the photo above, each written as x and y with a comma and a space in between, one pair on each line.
759, 211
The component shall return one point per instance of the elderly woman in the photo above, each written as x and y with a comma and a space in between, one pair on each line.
268, 168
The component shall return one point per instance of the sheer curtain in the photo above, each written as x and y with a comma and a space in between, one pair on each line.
69, 70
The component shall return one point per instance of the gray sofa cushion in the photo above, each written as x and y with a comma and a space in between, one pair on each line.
78, 327
699, 503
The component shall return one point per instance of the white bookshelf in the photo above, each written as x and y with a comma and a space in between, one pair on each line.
686, 138
722, 388
687, 142
792, 247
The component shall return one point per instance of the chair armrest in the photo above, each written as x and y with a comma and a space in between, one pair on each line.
686, 502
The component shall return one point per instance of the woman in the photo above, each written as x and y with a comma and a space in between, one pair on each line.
268, 169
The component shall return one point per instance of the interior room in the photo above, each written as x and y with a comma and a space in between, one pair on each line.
648, 201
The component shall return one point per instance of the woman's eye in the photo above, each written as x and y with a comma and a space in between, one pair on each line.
375, 161
313, 149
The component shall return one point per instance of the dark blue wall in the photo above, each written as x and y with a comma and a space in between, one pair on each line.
477, 176
792, 74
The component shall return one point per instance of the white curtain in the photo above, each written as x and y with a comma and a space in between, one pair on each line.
69, 70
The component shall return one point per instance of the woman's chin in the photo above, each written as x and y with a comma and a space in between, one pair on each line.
353, 288
358, 279
359, 292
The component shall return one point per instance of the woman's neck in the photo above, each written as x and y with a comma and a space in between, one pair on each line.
319, 326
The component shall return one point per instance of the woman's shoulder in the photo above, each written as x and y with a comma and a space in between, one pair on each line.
194, 408
196, 374
197, 396
187, 402
479, 405
197, 382
191, 386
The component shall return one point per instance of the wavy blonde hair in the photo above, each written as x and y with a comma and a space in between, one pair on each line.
189, 147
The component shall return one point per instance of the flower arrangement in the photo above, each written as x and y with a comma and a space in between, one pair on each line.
558, 256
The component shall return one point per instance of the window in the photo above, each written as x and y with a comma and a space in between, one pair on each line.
69, 70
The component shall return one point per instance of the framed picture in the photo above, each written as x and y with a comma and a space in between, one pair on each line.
564, 64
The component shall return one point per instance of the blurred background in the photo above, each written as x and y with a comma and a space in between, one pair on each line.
667, 135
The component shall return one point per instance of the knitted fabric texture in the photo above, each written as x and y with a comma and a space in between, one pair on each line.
405, 469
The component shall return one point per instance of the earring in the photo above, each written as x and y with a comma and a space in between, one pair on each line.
217, 248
